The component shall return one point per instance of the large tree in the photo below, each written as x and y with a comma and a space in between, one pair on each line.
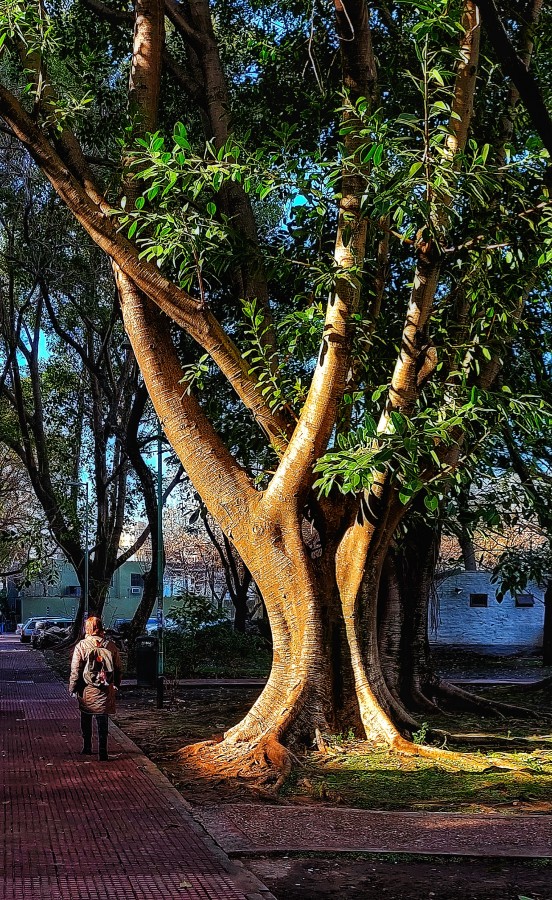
351, 252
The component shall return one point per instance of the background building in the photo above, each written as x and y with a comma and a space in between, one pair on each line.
468, 614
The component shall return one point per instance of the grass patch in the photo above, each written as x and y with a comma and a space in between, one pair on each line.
355, 776
382, 780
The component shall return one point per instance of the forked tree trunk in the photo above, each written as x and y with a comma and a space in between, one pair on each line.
318, 683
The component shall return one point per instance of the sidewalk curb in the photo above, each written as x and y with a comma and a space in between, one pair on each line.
243, 878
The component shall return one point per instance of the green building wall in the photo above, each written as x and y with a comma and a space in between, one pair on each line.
57, 600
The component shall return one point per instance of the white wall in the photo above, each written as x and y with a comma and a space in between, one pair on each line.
499, 624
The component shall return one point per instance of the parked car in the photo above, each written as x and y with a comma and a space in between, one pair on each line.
49, 637
119, 624
168, 625
30, 625
60, 625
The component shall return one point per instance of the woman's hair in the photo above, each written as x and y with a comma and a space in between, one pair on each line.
93, 625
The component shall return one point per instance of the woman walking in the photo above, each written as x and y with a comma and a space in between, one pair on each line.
96, 674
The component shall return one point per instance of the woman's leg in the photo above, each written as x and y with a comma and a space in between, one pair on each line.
102, 723
86, 730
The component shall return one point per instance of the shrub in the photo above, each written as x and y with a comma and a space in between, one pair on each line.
216, 651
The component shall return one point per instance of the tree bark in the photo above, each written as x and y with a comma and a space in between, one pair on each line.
547, 628
418, 559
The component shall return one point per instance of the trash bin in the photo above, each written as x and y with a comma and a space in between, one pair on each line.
146, 660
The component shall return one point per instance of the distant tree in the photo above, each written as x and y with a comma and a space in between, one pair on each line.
24, 537
73, 404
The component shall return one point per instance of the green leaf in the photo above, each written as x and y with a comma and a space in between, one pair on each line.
431, 502
435, 75
182, 142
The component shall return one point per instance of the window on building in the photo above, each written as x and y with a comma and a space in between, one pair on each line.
72, 590
479, 600
136, 579
525, 600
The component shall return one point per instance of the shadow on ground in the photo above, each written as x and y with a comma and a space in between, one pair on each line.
403, 879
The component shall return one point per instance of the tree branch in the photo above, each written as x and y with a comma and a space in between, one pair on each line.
181, 21
316, 423
179, 73
224, 484
250, 280
512, 66
417, 354
115, 16
181, 307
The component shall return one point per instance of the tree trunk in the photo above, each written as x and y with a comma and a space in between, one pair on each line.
547, 629
390, 623
417, 574
468, 552
239, 599
318, 683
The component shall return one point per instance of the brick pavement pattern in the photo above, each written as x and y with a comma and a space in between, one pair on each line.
73, 827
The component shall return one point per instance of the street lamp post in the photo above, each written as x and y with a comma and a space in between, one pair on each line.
160, 654
84, 484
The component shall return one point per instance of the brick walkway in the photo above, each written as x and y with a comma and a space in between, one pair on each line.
249, 830
73, 827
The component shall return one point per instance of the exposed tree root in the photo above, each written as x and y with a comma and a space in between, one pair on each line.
463, 700
404, 747
492, 740
422, 703
536, 686
266, 761
462, 761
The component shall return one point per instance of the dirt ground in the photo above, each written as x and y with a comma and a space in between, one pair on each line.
403, 879
345, 776
192, 714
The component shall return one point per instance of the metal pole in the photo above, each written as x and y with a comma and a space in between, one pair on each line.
86, 556
160, 659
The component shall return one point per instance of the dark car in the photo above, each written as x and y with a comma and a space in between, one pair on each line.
30, 625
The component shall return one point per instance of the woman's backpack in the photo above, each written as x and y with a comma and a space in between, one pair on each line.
98, 666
